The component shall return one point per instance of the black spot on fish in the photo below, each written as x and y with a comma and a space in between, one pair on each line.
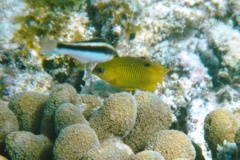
100, 70
147, 64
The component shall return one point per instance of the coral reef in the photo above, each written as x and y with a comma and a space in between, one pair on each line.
110, 149
91, 102
113, 19
116, 117
152, 115
25, 145
226, 48
197, 39
8, 123
148, 155
27, 107
62, 93
9, 10
74, 141
219, 125
172, 144
66, 115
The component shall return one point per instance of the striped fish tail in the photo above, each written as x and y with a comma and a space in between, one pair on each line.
48, 46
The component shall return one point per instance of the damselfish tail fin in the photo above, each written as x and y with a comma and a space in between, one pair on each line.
48, 46
163, 72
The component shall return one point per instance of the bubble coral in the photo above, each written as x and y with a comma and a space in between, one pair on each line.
116, 117
148, 155
74, 141
8, 123
172, 144
28, 107
219, 125
25, 145
66, 115
113, 149
62, 93
152, 115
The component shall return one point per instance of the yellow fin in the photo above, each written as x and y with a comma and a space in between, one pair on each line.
163, 72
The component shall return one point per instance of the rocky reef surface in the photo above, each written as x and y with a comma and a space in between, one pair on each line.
58, 107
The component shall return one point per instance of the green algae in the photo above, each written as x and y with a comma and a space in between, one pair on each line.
43, 19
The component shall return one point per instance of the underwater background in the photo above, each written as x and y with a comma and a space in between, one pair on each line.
52, 107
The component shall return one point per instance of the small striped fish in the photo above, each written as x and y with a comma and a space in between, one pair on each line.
92, 51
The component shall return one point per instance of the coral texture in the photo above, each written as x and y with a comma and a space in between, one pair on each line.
219, 125
152, 115
25, 145
148, 155
74, 141
113, 149
66, 115
172, 144
28, 107
8, 124
116, 117
91, 102
62, 93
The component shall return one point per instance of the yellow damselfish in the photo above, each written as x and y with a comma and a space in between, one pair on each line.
131, 73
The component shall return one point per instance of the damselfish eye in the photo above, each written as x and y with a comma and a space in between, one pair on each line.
99, 70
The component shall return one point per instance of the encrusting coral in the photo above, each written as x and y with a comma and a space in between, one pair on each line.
62, 93
8, 124
172, 144
74, 141
111, 18
113, 149
28, 107
148, 155
116, 117
152, 115
224, 39
219, 125
66, 115
22, 145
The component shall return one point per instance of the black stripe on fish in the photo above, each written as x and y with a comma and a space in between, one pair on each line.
95, 48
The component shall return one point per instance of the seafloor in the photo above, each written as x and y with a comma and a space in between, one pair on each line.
42, 117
